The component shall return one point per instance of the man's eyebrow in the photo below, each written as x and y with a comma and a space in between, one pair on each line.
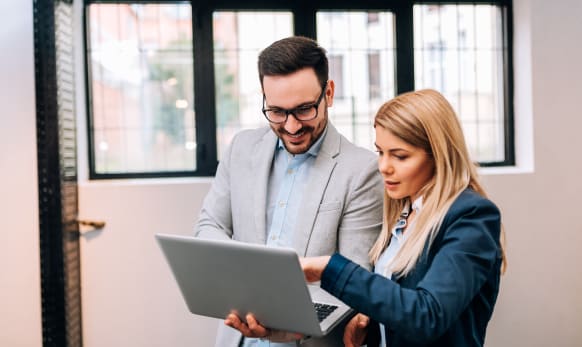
308, 103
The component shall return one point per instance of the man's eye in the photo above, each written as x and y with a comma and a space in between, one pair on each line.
278, 113
303, 110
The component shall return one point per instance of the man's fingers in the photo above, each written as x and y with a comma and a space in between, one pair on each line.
363, 321
349, 332
355, 331
348, 341
256, 328
233, 321
253, 328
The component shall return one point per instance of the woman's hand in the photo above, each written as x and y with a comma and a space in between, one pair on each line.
313, 267
356, 330
254, 329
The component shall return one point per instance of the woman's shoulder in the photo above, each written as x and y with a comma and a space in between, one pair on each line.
472, 218
469, 201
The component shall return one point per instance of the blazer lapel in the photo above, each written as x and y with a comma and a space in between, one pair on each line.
261, 164
314, 190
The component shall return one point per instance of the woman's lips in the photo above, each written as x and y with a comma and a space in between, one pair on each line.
391, 185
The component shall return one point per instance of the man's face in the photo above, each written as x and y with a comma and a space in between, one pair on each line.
298, 89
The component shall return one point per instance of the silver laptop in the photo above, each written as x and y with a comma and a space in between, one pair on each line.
220, 277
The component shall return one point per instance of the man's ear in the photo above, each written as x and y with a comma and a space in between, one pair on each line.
329, 93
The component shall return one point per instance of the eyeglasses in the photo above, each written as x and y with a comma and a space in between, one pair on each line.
302, 113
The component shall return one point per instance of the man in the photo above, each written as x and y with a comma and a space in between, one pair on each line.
298, 184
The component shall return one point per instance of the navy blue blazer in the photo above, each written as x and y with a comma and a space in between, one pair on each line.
448, 299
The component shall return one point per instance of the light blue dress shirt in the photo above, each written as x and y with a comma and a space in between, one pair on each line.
287, 182
398, 237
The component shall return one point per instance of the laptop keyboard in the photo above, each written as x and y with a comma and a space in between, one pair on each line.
323, 310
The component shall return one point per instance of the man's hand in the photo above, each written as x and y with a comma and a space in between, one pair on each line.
254, 329
356, 330
313, 267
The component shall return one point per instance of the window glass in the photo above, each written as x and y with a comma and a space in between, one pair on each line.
361, 51
141, 82
239, 37
459, 51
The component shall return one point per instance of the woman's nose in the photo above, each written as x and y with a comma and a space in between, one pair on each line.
384, 165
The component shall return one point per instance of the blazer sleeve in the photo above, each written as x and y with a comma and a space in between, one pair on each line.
463, 261
362, 218
215, 219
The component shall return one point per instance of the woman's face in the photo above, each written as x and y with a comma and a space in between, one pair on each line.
405, 168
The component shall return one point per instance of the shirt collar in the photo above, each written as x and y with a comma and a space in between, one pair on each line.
406, 210
417, 204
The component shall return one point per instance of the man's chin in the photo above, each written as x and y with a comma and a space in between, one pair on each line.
297, 148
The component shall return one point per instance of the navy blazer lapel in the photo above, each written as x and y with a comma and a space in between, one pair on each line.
315, 189
262, 160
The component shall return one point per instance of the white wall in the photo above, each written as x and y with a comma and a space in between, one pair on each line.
128, 292
541, 296
20, 315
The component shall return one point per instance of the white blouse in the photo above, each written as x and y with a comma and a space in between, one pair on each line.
398, 237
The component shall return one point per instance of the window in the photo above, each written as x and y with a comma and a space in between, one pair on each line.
170, 83
459, 51
350, 38
374, 75
142, 93
238, 38
336, 73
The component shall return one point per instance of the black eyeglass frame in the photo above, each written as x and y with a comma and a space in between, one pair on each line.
293, 110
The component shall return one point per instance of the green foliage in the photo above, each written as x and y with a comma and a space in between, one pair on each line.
227, 110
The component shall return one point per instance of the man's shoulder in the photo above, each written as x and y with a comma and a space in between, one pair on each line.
246, 140
252, 135
355, 154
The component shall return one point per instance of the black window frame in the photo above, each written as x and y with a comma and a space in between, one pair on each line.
304, 23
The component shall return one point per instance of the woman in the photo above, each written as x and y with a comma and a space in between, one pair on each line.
439, 256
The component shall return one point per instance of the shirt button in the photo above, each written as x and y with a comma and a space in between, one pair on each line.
281, 203
289, 171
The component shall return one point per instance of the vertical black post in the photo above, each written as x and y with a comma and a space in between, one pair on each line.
204, 90
404, 47
305, 23
509, 136
57, 174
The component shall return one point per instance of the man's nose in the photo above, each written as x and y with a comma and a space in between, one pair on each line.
292, 125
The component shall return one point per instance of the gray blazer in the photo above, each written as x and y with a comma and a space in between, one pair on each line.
342, 204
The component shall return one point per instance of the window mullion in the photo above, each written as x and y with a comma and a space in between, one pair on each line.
304, 20
508, 125
404, 47
204, 92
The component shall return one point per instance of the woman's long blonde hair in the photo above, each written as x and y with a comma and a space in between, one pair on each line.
425, 119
